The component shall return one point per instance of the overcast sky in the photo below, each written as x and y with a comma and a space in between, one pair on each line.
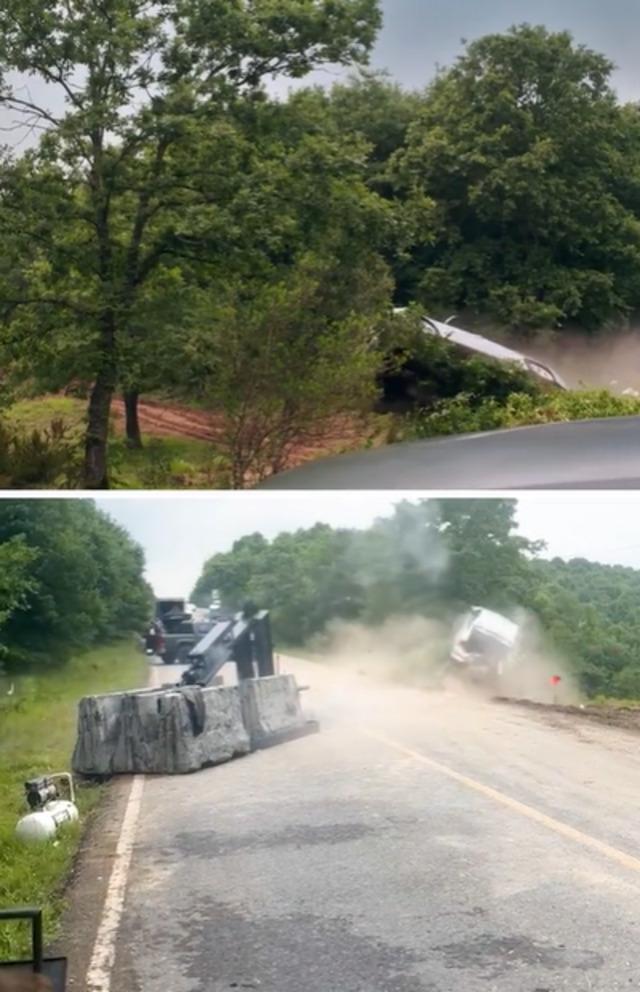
178, 533
419, 35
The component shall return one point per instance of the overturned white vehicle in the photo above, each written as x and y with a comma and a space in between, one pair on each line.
485, 646
467, 342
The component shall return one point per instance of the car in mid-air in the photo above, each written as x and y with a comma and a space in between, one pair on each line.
467, 342
589, 454
484, 646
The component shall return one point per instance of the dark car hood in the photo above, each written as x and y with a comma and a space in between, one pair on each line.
589, 454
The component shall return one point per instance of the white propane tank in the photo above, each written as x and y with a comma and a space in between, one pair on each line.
44, 824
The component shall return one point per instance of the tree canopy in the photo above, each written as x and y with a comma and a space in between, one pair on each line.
532, 169
71, 578
173, 228
434, 559
134, 175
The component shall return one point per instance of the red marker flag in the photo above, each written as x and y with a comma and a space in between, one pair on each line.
555, 680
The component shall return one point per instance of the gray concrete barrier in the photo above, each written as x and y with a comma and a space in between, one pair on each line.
166, 731
173, 731
272, 712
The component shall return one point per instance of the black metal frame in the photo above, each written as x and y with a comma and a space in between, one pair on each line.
245, 640
54, 968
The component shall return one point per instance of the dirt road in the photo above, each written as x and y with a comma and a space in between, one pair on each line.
420, 843
340, 433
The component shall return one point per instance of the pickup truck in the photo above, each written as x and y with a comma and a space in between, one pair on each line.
178, 632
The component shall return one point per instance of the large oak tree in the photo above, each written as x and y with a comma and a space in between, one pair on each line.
135, 169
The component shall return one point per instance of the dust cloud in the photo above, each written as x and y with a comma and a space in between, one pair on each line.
535, 665
610, 361
372, 672
408, 649
413, 652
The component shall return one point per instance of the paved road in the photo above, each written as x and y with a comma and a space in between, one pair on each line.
594, 454
420, 843
161, 674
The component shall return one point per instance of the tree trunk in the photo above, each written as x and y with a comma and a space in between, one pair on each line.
95, 452
134, 437
96, 474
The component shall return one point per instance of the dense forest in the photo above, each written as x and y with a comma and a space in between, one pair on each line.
70, 579
172, 227
433, 559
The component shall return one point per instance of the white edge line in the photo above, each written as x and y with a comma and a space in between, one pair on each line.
98, 977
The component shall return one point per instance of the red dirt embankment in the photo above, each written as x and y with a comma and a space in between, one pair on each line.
623, 717
160, 419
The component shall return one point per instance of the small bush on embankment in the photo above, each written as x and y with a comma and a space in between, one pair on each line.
167, 463
37, 734
464, 415
45, 451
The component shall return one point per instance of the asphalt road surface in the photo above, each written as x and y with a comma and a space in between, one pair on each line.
419, 843
593, 454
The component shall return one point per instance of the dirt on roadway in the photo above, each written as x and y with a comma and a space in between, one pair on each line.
623, 717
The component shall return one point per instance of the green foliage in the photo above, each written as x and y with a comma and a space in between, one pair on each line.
168, 463
464, 414
426, 556
85, 581
16, 580
590, 611
531, 168
303, 578
176, 228
434, 559
419, 369
37, 736
163, 463
283, 357
147, 176
38, 459
373, 108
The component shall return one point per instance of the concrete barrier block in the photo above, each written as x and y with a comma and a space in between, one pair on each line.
272, 711
224, 735
167, 731
99, 736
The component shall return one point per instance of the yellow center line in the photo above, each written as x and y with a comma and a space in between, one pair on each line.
537, 816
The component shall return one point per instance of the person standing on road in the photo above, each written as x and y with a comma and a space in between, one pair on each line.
155, 638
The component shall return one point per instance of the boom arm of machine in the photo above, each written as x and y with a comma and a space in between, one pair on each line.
244, 640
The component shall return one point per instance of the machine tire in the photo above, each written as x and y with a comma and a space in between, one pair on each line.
182, 654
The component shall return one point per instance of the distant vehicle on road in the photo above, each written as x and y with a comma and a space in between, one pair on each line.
180, 631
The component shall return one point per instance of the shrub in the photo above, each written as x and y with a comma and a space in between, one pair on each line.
38, 459
463, 415
419, 369
626, 684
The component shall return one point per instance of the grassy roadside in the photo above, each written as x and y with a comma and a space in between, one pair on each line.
169, 461
165, 462
175, 462
461, 415
37, 736
610, 702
